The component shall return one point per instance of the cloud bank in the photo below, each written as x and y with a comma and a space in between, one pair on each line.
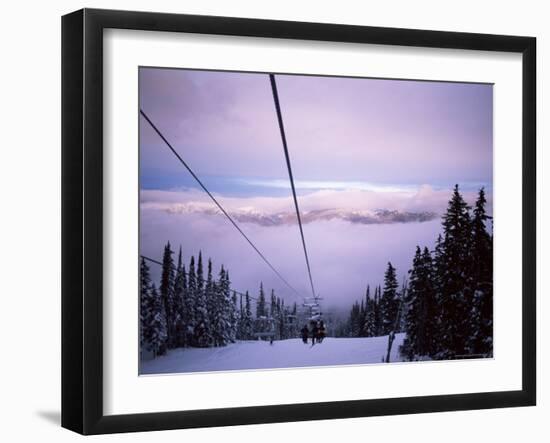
356, 206
250, 215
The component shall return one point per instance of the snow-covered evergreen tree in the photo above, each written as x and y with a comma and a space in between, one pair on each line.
261, 310
403, 308
377, 313
389, 302
144, 302
247, 320
438, 326
273, 305
480, 340
456, 292
273, 314
362, 318
369, 327
202, 324
167, 293
212, 305
421, 307
355, 324
200, 274
261, 322
190, 304
282, 316
234, 318
240, 324
430, 299
224, 326
156, 339
180, 288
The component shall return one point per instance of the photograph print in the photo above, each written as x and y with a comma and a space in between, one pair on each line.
294, 221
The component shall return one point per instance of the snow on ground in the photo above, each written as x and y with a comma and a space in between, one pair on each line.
282, 354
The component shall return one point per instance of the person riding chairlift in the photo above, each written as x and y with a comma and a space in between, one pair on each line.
305, 334
314, 332
321, 332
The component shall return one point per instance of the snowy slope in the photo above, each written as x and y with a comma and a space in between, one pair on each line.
282, 354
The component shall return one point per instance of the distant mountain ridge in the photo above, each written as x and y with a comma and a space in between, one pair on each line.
262, 218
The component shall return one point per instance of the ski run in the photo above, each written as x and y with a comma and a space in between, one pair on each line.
291, 353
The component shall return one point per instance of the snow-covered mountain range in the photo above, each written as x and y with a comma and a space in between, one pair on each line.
264, 218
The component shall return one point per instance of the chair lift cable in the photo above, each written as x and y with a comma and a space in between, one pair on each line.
287, 156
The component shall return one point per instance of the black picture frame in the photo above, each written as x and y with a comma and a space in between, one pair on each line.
82, 218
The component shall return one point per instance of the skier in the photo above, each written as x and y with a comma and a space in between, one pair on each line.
314, 332
305, 333
321, 332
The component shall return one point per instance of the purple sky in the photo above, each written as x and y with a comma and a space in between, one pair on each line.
357, 146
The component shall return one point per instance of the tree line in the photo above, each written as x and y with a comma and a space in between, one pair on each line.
377, 313
188, 309
446, 307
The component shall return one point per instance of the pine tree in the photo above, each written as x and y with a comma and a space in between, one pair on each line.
282, 315
273, 307
167, 293
355, 320
200, 274
212, 306
180, 288
438, 325
420, 301
261, 312
260, 305
369, 329
225, 327
481, 335
240, 327
157, 341
234, 318
272, 315
456, 292
389, 302
416, 316
202, 324
293, 324
247, 320
362, 319
430, 300
190, 306
403, 308
377, 316
145, 303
